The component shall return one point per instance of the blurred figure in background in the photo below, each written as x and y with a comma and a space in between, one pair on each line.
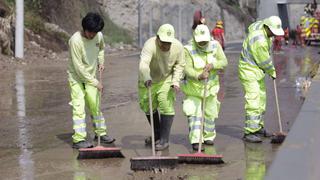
218, 33
198, 19
286, 35
277, 44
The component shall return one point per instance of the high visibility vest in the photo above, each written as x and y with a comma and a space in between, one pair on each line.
200, 59
308, 24
255, 58
255, 26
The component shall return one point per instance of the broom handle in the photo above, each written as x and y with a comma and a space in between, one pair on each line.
203, 106
151, 121
277, 104
100, 95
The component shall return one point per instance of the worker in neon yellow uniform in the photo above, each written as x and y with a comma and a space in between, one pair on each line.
204, 57
161, 69
255, 61
86, 49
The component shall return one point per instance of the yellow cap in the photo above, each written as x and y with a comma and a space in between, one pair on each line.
201, 33
166, 33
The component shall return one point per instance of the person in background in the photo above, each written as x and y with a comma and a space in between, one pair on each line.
198, 19
218, 33
286, 35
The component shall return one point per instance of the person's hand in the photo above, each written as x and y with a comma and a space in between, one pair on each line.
101, 67
203, 75
148, 83
100, 87
175, 88
208, 67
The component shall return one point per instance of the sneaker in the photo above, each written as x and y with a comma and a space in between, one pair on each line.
147, 141
208, 142
195, 147
263, 133
253, 138
105, 139
161, 147
82, 144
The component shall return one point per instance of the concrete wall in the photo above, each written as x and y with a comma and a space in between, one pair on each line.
268, 8
295, 11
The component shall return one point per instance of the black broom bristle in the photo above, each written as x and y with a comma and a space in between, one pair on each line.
153, 162
278, 139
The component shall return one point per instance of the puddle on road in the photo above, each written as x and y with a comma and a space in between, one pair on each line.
26, 162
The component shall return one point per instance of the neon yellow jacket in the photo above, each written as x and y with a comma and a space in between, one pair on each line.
158, 66
255, 26
255, 59
84, 57
196, 60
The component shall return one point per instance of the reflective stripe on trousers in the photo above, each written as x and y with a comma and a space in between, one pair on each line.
255, 105
81, 95
209, 132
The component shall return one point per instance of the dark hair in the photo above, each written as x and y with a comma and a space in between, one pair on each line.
92, 22
196, 19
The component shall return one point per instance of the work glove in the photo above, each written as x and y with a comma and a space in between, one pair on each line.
203, 75
148, 83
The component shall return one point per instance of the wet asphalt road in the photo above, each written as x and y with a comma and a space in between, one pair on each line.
36, 125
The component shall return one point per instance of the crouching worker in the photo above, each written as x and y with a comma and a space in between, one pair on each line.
204, 57
86, 50
161, 68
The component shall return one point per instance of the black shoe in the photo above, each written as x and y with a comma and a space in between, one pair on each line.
208, 142
195, 147
263, 133
105, 139
147, 141
82, 144
161, 147
253, 138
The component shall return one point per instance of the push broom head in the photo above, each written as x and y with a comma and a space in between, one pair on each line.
200, 158
278, 138
153, 163
100, 152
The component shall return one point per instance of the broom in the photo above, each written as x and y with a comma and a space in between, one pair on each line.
153, 162
199, 157
278, 137
100, 152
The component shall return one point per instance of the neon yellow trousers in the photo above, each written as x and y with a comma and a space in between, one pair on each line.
81, 95
192, 109
255, 105
163, 98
